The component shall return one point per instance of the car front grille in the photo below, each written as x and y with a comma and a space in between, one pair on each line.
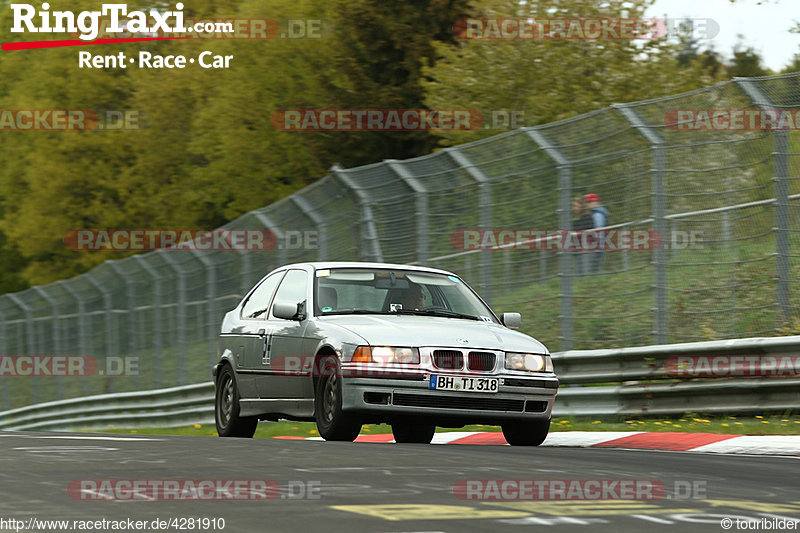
458, 402
448, 359
481, 361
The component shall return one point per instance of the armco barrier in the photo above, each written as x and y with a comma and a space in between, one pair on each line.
613, 382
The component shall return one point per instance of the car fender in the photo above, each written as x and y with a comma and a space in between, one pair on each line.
227, 356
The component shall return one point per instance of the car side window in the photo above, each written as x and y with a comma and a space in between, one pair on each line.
258, 304
293, 289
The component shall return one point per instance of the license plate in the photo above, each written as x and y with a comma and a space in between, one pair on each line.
462, 383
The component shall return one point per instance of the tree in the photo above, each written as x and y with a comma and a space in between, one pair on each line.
746, 61
549, 80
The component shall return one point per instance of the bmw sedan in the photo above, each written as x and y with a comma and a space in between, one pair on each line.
344, 344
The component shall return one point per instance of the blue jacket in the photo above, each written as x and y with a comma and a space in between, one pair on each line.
600, 216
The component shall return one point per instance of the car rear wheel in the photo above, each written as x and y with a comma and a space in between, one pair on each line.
406, 432
226, 408
332, 422
530, 433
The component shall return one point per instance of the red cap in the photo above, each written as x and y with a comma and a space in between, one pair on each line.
591, 198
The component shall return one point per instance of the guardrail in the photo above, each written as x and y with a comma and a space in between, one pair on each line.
612, 382
177, 406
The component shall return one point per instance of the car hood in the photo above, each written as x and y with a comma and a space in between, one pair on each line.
410, 330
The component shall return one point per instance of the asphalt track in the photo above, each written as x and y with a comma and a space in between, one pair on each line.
389, 487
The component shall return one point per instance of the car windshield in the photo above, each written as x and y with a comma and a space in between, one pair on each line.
342, 291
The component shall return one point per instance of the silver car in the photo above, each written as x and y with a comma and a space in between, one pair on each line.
345, 344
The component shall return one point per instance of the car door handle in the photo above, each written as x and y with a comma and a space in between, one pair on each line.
262, 332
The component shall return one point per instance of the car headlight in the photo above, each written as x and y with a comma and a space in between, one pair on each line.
529, 362
386, 354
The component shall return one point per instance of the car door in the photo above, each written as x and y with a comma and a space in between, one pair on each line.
287, 341
255, 336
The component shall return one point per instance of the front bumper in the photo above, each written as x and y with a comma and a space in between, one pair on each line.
518, 398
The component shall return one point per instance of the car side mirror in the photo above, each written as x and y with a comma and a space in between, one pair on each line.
511, 320
289, 311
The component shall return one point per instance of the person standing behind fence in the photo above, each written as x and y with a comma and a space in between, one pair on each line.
582, 221
599, 220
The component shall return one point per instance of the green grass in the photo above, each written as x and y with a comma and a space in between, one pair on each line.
689, 423
706, 299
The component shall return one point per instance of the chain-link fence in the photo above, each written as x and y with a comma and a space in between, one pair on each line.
723, 197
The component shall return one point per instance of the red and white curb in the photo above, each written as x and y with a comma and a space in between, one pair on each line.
672, 441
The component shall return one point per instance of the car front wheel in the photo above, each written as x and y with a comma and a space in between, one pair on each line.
332, 422
405, 432
526, 433
226, 408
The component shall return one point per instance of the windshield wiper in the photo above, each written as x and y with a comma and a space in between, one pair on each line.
435, 312
353, 312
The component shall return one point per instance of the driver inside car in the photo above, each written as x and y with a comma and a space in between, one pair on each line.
413, 297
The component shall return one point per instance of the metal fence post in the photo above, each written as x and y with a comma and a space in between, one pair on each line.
180, 317
212, 319
421, 205
244, 271
3, 353
782, 216
157, 324
56, 335
370, 244
782, 223
268, 223
319, 223
661, 331
83, 344
484, 215
129, 295
565, 265
111, 348
31, 336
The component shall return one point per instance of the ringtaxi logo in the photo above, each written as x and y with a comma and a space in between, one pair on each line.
87, 23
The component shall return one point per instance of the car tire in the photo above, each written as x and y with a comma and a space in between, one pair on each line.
406, 432
332, 422
530, 433
226, 408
